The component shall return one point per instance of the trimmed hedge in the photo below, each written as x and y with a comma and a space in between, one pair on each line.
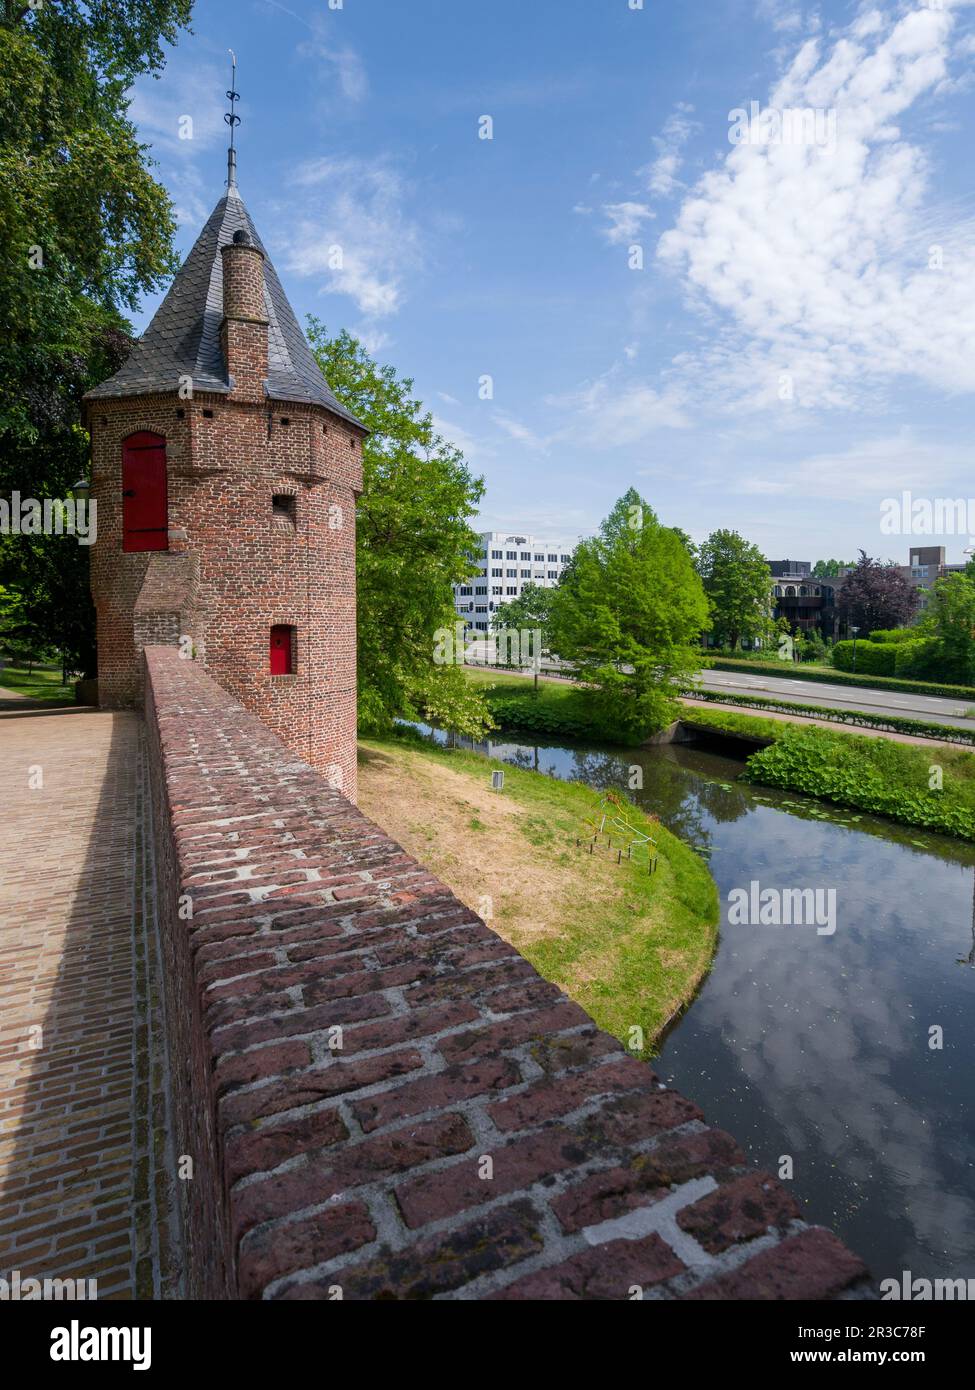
891, 723
871, 658
829, 677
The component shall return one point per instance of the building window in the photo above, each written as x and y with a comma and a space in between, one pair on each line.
553, 559
512, 590
553, 574
145, 495
480, 588
526, 574
566, 559
495, 554
526, 554
466, 591
282, 650
540, 557
511, 554
511, 574
495, 574
284, 508
495, 588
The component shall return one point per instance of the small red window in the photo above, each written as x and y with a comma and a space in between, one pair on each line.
282, 651
145, 503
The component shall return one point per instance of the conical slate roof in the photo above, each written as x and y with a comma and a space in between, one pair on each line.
183, 338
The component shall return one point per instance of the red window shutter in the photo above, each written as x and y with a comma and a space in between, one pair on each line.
145, 502
282, 663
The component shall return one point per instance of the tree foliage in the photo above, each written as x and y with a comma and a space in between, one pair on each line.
629, 611
413, 538
86, 231
950, 617
738, 583
877, 595
830, 569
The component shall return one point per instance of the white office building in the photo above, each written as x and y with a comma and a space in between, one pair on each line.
506, 562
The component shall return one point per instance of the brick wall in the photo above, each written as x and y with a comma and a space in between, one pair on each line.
382, 1098
226, 459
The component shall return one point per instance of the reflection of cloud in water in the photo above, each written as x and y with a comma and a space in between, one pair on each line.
829, 1033
822, 1026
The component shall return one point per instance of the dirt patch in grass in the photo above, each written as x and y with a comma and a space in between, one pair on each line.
628, 946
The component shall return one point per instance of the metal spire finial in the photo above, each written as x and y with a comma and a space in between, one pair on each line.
232, 120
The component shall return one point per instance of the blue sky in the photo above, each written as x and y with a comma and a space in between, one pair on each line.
799, 343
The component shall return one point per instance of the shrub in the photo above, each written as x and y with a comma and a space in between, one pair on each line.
894, 634
870, 774
919, 659
872, 658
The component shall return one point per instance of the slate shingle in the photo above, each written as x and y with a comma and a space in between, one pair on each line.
183, 338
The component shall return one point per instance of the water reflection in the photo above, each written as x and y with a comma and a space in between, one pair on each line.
817, 1047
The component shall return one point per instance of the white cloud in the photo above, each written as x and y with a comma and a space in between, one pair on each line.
870, 469
661, 174
607, 413
625, 219
815, 258
785, 18
355, 234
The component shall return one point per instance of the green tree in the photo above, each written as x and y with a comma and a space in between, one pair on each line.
86, 231
628, 611
738, 583
831, 569
413, 536
950, 617
530, 612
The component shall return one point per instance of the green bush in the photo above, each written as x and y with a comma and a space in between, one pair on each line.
871, 774
894, 634
918, 659
537, 717
872, 658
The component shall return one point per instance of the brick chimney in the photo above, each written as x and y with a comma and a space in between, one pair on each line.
243, 332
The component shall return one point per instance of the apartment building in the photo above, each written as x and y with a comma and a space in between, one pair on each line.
505, 562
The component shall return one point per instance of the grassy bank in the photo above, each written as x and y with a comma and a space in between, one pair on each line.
558, 709
43, 683
628, 946
851, 770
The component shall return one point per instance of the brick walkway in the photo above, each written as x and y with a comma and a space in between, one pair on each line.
69, 900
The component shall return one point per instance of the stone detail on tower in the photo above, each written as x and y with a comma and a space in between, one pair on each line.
249, 525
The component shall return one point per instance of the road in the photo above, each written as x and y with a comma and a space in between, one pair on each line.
809, 692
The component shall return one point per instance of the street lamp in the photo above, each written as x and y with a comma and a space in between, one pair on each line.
854, 630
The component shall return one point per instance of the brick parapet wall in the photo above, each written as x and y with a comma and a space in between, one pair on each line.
383, 1098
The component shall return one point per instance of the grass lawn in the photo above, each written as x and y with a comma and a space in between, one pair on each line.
628, 946
43, 683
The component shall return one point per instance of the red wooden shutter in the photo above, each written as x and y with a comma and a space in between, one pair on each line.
281, 647
145, 519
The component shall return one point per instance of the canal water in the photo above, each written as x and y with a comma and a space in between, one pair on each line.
818, 1047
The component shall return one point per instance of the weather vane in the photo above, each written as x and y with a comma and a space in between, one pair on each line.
232, 120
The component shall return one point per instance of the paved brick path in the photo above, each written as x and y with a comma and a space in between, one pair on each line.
68, 901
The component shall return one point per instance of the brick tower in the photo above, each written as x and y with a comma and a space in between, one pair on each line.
225, 473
